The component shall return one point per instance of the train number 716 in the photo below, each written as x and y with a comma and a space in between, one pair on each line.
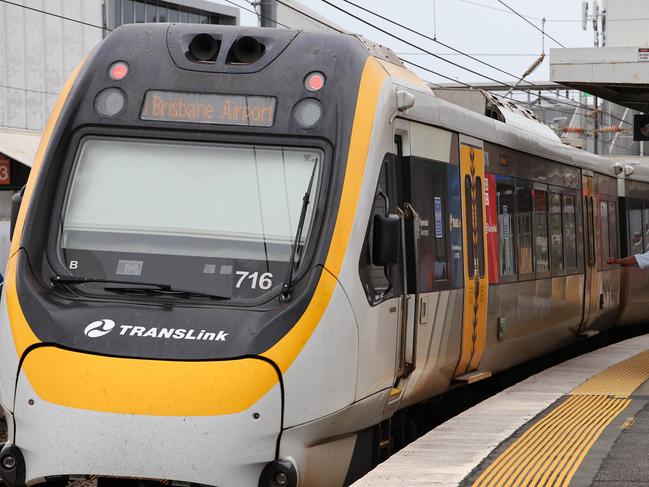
263, 281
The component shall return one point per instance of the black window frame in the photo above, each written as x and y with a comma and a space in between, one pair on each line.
577, 268
524, 184
417, 168
513, 230
558, 191
365, 267
540, 187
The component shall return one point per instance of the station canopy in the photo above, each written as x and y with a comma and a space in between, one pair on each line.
20, 145
617, 74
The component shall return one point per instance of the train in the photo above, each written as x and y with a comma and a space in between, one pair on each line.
243, 253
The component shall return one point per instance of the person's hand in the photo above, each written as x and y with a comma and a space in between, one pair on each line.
611, 261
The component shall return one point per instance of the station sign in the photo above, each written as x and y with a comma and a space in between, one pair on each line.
643, 54
218, 109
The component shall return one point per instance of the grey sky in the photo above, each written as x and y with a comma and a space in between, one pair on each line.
480, 27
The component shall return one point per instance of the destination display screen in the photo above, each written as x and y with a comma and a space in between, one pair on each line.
171, 106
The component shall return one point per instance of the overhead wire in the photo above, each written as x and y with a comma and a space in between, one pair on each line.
531, 23
436, 73
400, 39
425, 51
467, 85
301, 12
491, 7
29, 90
485, 54
311, 17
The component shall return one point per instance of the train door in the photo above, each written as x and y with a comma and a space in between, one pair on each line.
590, 255
407, 341
474, 320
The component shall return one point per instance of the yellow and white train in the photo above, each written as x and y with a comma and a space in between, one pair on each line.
243, 252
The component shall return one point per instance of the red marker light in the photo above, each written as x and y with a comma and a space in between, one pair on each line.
314, 81
118, 71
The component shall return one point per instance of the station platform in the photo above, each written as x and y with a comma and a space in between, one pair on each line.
584, 422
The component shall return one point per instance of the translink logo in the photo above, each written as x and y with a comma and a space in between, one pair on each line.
103, 327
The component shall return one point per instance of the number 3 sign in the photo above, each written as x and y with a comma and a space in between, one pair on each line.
5, 171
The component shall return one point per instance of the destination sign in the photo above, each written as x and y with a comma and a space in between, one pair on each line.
171, 106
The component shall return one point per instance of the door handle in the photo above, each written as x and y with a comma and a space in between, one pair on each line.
411, 213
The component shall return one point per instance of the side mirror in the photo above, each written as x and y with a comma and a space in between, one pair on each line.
386, 240
16, 200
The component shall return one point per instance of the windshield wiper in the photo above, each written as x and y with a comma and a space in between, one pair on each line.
288, 280
130, 287
64, 280
164, 291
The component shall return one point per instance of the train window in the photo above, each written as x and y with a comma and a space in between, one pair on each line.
376, 279
426, 191
590, 217
612, 228
540, 218
605, 242
635, 227
524, 226
506, 209
570, 230
556, 234
242, 212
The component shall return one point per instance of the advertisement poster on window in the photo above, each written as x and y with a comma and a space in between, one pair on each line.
438, 217
492, 226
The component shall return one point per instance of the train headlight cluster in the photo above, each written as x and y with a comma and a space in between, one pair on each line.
308, 112
110, 102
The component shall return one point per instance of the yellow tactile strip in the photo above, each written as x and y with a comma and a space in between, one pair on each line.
551, 450
620, 380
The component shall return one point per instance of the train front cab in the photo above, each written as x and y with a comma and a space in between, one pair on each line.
175, 355
110, 371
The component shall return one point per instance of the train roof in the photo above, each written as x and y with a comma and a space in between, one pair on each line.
432, 109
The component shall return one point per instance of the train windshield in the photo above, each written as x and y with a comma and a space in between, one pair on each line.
213, 218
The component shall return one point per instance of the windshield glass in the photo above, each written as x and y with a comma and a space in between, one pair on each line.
215, 218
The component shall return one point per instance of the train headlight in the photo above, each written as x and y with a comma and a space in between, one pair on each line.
314, 81
110, 102
118, 71
308, 113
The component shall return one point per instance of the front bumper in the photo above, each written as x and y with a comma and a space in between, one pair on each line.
222, 450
